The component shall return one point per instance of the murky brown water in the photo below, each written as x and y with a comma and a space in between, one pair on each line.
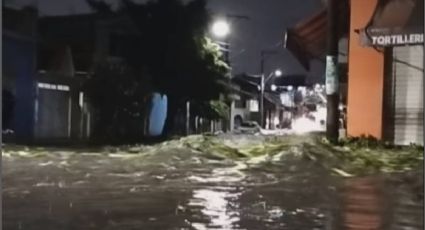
178, 189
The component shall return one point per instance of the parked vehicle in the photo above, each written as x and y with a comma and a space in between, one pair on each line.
248, 127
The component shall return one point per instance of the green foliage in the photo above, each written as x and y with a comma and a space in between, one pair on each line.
343, 161
367, 155
212, 110
184, 64
168, 43
220, 108
364, 142
217, 148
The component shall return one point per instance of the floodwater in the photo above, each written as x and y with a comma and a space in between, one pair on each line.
178, 189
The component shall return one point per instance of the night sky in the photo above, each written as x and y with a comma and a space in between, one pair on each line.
264, 30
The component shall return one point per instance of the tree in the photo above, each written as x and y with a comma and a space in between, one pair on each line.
120, 98
172, 47
184, 64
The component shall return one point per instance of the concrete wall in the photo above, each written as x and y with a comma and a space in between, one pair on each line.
365, 77
19, 66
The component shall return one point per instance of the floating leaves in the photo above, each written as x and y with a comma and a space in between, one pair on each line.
351, 158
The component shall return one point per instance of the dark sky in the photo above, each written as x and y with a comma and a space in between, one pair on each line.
264, 30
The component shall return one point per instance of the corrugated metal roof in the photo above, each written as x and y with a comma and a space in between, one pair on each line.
307, 39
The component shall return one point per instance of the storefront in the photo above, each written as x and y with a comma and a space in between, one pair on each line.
385, 64
393, 34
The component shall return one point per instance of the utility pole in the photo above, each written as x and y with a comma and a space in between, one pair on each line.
262, 90
187, 118
332, 81
263, 57
262, 85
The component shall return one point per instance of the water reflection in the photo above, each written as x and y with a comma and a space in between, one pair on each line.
377, 204
218, 206
217, 203
94, 192
407, 210
363, 205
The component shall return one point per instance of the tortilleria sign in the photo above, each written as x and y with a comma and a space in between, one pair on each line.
395, 23
388, 37
396, 39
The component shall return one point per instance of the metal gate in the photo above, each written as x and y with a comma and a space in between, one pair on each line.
53, 111
407, 101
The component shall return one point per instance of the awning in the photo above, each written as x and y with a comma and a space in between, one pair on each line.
394, 23
307, 40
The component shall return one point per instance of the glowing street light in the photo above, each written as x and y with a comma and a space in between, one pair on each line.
221, 28
278, 73
264, 80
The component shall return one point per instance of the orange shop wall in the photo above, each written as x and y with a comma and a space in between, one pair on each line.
365, 77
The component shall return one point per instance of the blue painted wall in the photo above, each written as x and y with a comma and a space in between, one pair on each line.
158, 114
19, 60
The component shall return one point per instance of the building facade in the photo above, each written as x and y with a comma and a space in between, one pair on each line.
18, 75
384, 91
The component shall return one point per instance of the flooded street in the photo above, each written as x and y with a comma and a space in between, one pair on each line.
177, 188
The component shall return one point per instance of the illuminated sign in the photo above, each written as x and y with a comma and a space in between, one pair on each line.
398, 39
395, 23
253, 106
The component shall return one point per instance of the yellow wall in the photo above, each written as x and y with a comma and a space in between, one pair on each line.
365, 77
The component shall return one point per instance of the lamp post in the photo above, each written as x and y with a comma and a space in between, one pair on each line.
221, 29
264, 54
264, 80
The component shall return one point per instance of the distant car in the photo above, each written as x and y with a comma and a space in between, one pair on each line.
248, 127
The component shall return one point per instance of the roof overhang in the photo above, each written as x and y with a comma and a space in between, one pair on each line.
395, 23
307, 40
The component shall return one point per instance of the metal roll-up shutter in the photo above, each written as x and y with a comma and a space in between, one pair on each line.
407, 113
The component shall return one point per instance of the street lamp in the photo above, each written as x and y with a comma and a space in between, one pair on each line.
275, 87
221, 28
264, 80
278, 73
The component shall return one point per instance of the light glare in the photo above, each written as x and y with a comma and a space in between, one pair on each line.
220, 28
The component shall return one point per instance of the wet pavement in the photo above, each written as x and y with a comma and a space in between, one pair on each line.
177, 188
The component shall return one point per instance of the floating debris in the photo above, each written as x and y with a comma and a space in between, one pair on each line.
44, 184
43, 164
